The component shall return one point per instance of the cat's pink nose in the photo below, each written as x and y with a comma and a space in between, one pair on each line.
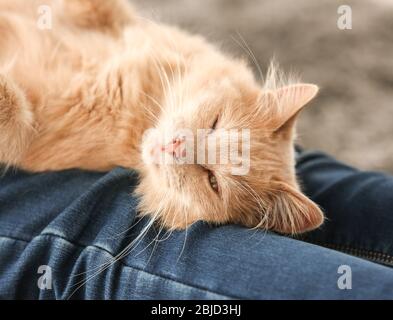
175, 148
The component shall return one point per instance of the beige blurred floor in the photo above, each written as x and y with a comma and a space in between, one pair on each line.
353, 116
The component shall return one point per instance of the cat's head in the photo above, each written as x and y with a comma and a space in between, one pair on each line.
183, 182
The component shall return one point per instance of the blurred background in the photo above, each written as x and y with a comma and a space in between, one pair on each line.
352, 118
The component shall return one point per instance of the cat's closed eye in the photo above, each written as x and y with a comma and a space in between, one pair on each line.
214, 126
213, 181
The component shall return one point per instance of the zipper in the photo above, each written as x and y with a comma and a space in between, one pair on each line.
374, 256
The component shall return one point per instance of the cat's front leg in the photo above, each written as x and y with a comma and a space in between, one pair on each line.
104, 15
16, 122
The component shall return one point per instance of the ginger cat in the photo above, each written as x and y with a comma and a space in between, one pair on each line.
83, 94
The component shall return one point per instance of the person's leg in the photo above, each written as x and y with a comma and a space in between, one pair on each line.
56, 229
358, 207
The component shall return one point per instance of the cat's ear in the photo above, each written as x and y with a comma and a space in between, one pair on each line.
285, 103
291, 212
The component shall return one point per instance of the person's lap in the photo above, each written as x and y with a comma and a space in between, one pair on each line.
358, 206
75, 222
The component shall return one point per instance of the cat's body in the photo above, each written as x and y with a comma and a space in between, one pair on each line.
83, 87
82, 94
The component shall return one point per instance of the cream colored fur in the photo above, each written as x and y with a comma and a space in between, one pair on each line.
82, 94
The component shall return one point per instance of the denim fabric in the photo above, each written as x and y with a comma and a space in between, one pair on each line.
75, 222
359, 207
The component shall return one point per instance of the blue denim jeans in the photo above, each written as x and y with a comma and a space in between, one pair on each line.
61, 232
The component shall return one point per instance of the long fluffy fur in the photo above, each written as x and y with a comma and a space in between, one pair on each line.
82, 94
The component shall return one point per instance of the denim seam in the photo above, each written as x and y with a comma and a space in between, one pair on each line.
123, 264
